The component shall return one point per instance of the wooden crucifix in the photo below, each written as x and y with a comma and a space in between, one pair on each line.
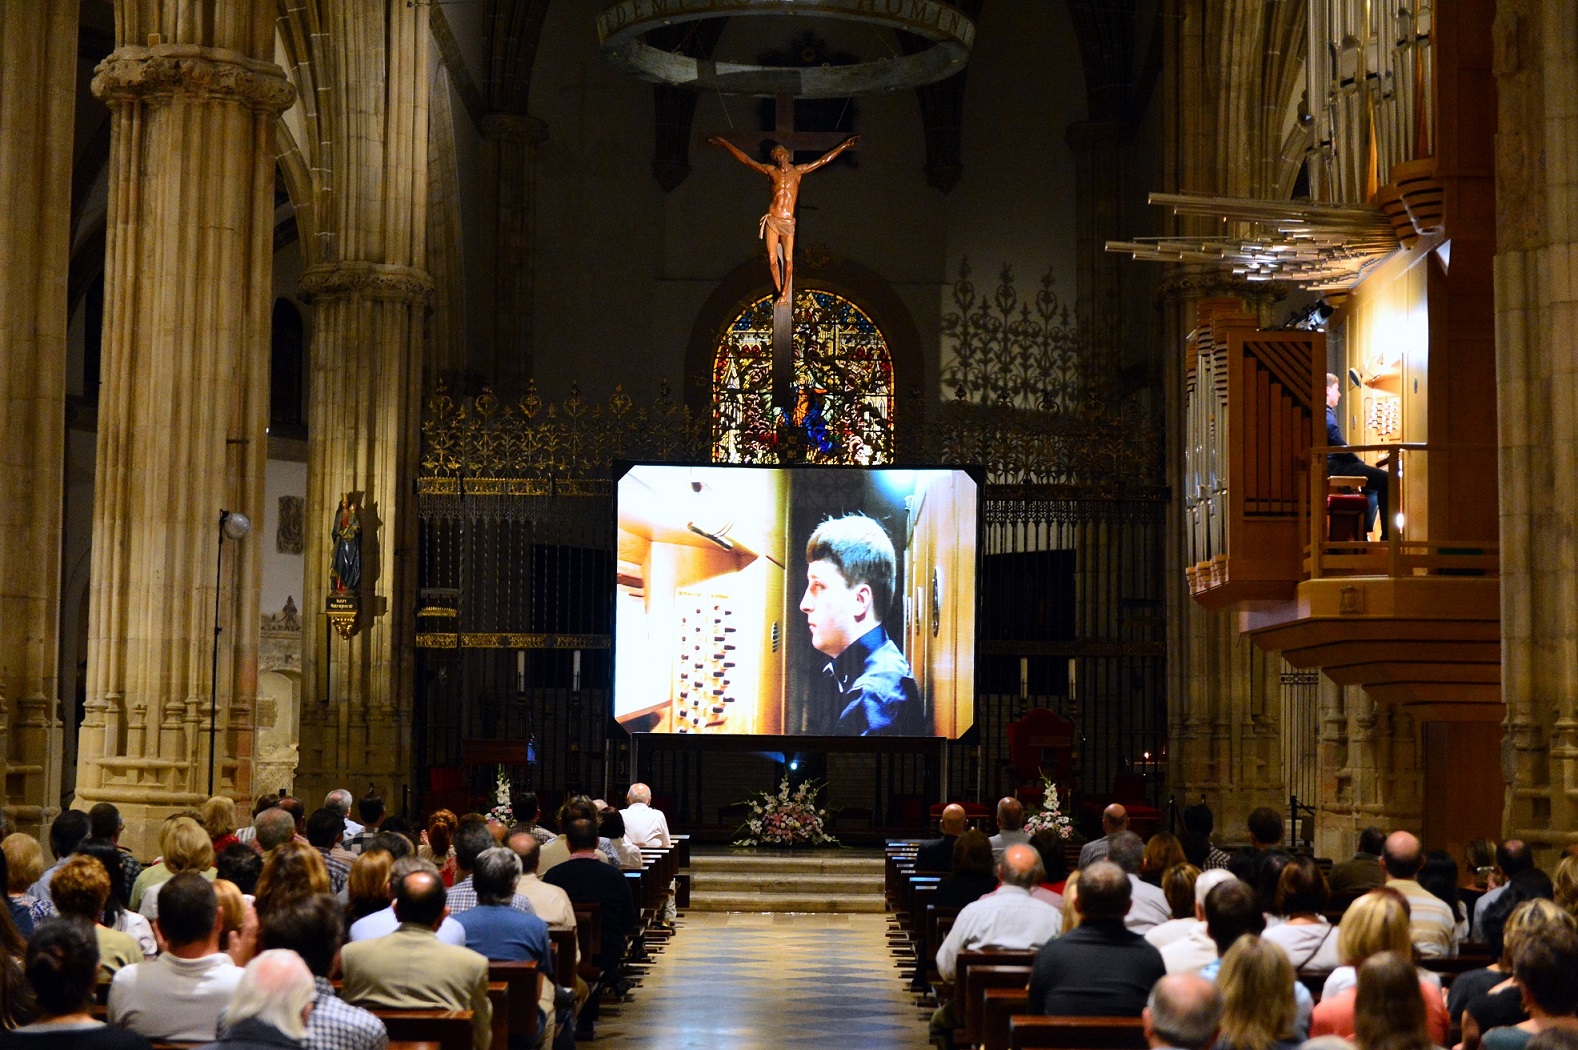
777, 227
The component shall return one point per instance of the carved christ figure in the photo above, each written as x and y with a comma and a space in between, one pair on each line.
777, 226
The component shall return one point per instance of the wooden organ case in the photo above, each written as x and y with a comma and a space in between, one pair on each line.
939, 636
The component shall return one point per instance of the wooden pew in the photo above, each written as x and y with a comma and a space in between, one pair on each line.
970, 1000
589, 935
1075, 1033
521, 983
564, 953
449, 1029
998, 1007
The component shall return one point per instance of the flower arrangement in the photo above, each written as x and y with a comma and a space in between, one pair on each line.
787, 817
502, 812
1050, 816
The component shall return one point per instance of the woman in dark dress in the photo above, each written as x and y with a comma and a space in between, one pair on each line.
972, 872
62, 967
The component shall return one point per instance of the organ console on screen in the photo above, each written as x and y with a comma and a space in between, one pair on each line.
717, 630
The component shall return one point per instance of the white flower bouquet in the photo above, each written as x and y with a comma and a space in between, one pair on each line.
787, 817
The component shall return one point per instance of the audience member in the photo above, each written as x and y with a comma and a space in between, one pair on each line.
298, 812
1183, 1012
1512, 856
1438, 877
367, 888
501, 932
412, 969
471, 841
16, 998
1148, 906
339, 800
1010, 827
1431, 920
65, 835
528, 812
1265, 828
81, 890
62, 968
937, 854
1177, 885
972, 874
1377, 922
20, 914
248, 835
1479, 864
617, 832
272, 829
1267, 872
397, 844
1388, 1013
1564, 885
116, 915
550, 904
1199, 822
382, 923
240, 866
1258, 1008
238, 923
187, 847
1232, 912
294, 869
1527, 885
645, 826
106, 825
586, 877
271, 1004
1187, 946
437, 844
1528, 918
1100, 968
180, 994
1070, 892
311, 927
1304, 933
370, 808
1162, 851
1009, 918
325, 829
1546, 969
1113, 820
1054, 859
398, 825
219, 820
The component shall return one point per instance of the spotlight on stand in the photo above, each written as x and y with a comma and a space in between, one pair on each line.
236, 526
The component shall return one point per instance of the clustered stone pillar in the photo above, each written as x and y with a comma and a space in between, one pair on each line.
510, 144
1537, 409
183, 409
38, 51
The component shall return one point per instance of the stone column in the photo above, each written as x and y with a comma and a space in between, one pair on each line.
183, 409
1536, 65
1100, 150
509, 161
38, 56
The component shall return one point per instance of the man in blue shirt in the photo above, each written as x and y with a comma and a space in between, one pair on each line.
1346, 463
497, 930
850, 574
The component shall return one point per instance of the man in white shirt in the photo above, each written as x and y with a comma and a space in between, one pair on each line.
1175, 930
1431, 922
644, 826
1148, 905
179, 995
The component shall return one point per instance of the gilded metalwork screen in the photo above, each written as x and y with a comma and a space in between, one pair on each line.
843, 384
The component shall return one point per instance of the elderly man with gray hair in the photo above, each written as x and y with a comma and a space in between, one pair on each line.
274, 827
1183, 1011
340, 800
497, 930
644, 826
270, 1005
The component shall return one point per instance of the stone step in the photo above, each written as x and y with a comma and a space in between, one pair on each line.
784, 882
760, 880
821, 863
807, 902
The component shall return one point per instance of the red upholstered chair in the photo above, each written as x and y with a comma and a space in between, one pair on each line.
1345, 516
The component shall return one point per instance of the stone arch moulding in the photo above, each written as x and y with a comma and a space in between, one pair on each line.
750, 280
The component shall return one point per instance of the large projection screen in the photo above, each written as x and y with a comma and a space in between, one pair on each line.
724, 625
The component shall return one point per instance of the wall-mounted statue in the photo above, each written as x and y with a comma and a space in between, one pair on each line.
346, 571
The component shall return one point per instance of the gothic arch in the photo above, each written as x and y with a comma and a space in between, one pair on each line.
750, 280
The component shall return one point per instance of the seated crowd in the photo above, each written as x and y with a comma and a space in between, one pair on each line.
1260, 949
301, 929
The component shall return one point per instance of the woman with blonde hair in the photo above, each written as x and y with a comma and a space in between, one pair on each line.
438, 844
1162, 851
219, 820
24, 864
187, 847
293, 869
238, 931
1377, 922
367, 889
1565, 885
159, 872
1070, 895
1258, 1008
1389, 1013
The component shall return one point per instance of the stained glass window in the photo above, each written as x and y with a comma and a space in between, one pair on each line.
843, 384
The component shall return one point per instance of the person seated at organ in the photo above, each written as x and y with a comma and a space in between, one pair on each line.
1347, 464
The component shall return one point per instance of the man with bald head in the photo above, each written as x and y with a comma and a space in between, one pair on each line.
1183, 1011
937, 854
1007, 918
1113, 820
644, 826
1100, 968
1010, 827
1430, 921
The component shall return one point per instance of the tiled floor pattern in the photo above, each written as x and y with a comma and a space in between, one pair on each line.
755, 981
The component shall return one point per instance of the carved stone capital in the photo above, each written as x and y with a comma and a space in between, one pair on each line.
515, 128
167, 71
365, 280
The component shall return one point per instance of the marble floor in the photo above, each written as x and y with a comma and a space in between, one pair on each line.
754, 981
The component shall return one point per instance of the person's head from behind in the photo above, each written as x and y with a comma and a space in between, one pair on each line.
954, 819
370, 810
1389, 1011
240, 864
189, 914
577, 807
293, 870
1372, 840
850, 574
1114, 819
1162, 851
312, 926
103, 851
1513, 856
1528, 885
613, 825
1126, 850
1546, 968
972, 854
187, 847
325, 827
81, 888
1021, 867
494, 876
1183, 1011
1564, 885
67, 832
1265, 826
219, 816
1207, 881
1301, 889
276, 988
296, 808
104, 821
338, 800
274, 827
1376, 922
62, 965
420, 898
393, 843
1272, 861
1401, 857
526, 847
367, 886
581, 835
1258, 1008
1104, 891
24, 860
1010, 814
1178, 887
638, 795
470, 842
1199, 819
1054, 861
1529, 919
1232, 910
441, 827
